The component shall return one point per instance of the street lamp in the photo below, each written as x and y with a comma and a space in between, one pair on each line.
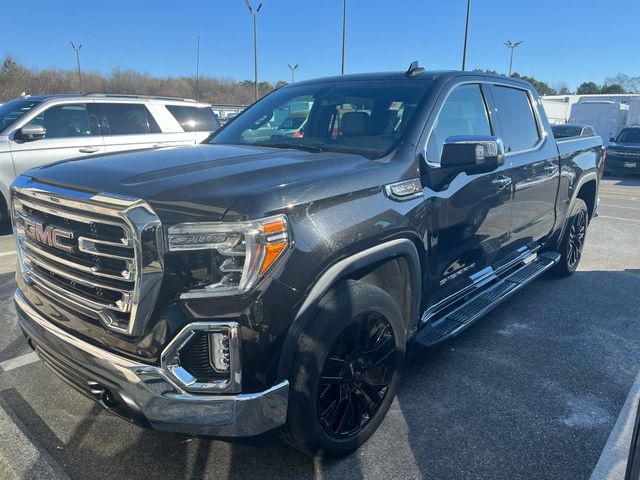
77, 50
293, 71
344, 30
512, 46
466, 36
255, 45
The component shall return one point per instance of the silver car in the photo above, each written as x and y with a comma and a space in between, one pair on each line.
37, 130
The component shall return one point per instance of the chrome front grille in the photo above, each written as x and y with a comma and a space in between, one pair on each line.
86, 251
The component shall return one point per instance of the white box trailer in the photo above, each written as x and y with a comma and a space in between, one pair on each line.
607, 117
557, 110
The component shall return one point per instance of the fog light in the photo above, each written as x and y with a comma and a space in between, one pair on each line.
219, 351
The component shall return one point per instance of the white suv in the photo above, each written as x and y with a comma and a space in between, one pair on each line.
37, 130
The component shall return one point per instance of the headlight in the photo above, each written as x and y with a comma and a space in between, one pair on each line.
236, 255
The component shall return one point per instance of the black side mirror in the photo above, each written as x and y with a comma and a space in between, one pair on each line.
472, 153
612, 139
31, 132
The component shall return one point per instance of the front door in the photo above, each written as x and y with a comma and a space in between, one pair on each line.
472, 211
71, 131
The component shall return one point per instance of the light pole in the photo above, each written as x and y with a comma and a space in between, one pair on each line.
77, 50
512, 46
293, 71
466, 36
255, 45
344, 30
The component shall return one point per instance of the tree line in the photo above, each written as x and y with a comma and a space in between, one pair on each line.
618, 84
16, 79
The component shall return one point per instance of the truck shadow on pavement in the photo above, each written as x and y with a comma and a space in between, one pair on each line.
536, 386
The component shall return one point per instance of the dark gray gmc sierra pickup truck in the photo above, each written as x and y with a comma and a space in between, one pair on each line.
261, 281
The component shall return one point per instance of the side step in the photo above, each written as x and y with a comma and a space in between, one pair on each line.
476, 307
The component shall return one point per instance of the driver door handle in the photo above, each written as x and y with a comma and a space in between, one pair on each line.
502, 182
89, 149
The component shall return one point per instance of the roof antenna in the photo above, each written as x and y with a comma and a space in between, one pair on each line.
414, 69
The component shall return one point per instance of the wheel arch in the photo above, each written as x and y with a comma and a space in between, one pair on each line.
591, 180
393, 266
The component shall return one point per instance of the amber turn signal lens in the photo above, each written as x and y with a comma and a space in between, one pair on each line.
276, 226
273, 251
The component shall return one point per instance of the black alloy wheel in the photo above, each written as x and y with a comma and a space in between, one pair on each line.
356, 376
573, 239
577, 235
346, 370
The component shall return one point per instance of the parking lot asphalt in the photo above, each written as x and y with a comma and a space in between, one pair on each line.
531, 391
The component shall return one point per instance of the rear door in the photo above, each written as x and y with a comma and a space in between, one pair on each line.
533, 160
71, 131
472, 212
129, 126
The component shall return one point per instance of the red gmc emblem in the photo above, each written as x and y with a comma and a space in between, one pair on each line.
47, 235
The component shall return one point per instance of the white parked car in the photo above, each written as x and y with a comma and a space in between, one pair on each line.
37, 130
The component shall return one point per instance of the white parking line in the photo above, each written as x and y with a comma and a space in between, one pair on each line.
6, 254
613, 460
18, 361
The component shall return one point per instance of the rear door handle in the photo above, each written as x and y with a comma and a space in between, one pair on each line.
89, 149
502, 182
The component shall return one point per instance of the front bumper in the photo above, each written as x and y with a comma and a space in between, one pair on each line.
622, 165
142, 393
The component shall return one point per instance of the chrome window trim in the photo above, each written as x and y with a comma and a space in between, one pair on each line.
535, 106
135, 215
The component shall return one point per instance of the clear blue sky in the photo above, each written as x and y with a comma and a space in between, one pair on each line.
564, 40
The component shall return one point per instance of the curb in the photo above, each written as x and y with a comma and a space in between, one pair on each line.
613, 460
20, 457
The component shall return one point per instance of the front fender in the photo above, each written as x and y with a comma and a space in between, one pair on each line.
401, 247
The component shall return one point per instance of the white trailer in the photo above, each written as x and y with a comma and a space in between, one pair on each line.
607, 117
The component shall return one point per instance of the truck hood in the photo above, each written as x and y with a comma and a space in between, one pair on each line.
628, 147
199, 182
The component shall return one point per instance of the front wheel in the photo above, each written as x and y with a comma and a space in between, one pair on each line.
346, 371
573, 239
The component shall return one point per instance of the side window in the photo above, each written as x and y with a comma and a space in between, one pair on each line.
463, 113
194, 119
128, 119
517, 122
64, 121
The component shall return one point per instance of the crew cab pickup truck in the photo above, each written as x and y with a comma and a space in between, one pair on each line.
249, 283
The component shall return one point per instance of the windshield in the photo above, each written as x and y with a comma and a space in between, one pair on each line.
369, 118
629, 136
13, 110
564, 131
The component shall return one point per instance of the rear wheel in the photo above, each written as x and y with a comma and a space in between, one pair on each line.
346, 371
573, 240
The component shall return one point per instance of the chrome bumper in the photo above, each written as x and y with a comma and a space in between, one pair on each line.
142, 393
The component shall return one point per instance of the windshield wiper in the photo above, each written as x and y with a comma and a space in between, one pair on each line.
306, 148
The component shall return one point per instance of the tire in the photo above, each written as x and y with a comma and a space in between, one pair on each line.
332, 410
573, 239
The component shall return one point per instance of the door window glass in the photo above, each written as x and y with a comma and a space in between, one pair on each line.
519, 129
194, 119
64, 121
128, 119
463, 113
